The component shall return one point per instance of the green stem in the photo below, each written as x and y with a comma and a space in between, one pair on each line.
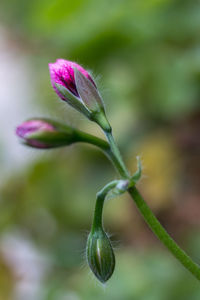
148, 215
162, 235
116, 157
110, 149
101, 195
93, 140
97, 219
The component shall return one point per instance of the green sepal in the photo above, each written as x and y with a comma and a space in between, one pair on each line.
100, 118
72, 100
88, 92
92, 100
52, 139
137, 175
100, 255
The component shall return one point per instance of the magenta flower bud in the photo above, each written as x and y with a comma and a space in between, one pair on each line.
45, 133
62, 73
74, 85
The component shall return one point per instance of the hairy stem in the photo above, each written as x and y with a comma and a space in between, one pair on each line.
101, 195
162, 234
93, 140
148, 215
116, 158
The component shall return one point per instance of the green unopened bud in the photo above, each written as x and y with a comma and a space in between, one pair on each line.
100, 255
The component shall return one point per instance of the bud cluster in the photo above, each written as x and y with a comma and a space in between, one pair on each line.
74, 85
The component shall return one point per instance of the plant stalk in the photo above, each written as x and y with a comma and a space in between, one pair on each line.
148, 215
101, 195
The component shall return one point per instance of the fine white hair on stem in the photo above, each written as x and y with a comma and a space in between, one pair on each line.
143, 176
116, 244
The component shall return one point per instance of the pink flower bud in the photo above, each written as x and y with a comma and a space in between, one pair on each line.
44, 133
74, 85
62, 72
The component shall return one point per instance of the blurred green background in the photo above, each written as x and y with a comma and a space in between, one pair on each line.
145, 56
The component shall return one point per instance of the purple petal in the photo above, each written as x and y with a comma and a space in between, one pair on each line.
62, 72
29, 127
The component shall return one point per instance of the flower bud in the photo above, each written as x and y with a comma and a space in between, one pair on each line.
45, 133
74, 85
63, 81
100, 255
62, 73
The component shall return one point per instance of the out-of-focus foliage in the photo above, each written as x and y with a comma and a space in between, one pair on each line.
148, 56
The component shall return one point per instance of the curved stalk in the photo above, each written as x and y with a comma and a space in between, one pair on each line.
112, 151
148, 215
93, 140
162, 234
116, 157
101, 195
